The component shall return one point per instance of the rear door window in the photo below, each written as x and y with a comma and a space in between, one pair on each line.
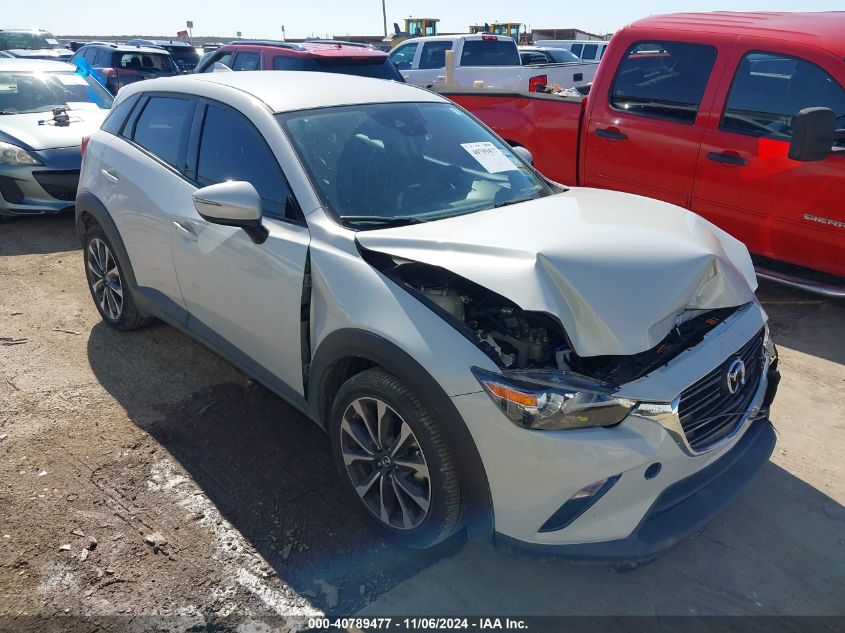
590, 51
163, 125
247, 61
490, 53
232, 149
576, 48
434, 54
663, 80
769, 89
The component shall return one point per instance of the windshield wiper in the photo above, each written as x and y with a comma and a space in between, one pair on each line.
386, 221
506, 203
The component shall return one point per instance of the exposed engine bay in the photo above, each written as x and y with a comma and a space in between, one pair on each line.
514, 338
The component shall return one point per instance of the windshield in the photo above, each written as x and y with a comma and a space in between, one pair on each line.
27, 40
22, 92
406, 162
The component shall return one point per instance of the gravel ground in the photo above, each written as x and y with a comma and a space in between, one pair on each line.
140, 475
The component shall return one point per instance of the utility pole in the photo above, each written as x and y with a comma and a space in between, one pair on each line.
384, 15
284, 37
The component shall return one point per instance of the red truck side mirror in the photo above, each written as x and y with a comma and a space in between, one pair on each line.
813, 134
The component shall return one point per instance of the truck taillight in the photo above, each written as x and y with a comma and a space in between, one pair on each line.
535, 83
84, 145
489, 38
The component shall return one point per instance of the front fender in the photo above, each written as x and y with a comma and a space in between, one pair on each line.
355, 343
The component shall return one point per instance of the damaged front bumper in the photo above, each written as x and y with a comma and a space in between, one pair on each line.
633, 490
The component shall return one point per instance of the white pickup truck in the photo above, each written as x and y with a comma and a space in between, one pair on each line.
492, 59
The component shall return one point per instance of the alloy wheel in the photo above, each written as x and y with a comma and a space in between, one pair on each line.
386, 464
105, 279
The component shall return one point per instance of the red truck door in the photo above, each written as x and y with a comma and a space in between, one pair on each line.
644, 133
745, 183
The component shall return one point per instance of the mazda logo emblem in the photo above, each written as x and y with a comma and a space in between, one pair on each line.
735, 376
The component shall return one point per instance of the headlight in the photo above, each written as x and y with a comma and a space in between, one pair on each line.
553, 401
14, 155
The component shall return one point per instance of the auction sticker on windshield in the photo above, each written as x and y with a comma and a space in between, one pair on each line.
490, 157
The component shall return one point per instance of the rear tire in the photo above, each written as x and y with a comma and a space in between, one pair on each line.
394, 462
107, 284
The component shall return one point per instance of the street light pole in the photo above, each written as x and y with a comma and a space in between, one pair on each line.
384, 15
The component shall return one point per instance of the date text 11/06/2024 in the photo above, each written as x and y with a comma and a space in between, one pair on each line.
418, 623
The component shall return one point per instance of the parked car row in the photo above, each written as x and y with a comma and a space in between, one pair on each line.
493, 60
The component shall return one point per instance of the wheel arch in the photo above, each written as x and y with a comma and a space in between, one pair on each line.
90, 211
346, 352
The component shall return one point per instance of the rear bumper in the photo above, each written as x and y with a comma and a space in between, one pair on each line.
683, 509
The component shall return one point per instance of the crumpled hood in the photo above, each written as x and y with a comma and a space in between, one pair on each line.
24, 128
618, 270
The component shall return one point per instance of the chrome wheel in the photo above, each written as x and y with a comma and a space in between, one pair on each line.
105, 281
385, 462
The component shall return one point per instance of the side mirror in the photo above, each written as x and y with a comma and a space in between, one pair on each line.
523, 153
813, 134
234, 203
217, 67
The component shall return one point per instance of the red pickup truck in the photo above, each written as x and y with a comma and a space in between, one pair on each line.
701, 110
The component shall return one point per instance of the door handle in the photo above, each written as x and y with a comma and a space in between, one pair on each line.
185, 228
727, 158
110, 175
612, 134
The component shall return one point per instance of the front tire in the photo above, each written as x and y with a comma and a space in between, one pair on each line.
394, 461
107, 284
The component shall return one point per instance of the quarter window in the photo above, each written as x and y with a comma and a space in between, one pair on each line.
232, 149
665, 80
769, 89
114, 121
403, 57
434, 54
163, 126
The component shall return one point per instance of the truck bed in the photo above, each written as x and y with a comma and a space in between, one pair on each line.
547, 125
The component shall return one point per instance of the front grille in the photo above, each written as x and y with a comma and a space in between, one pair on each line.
10, 190
59, 184
708, 411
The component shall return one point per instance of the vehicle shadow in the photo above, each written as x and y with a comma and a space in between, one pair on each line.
57, 233
805, 322
777, 550
266, 468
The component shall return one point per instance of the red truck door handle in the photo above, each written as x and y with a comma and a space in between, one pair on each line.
727, 158
611, 133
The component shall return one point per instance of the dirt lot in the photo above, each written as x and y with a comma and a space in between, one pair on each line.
141, 475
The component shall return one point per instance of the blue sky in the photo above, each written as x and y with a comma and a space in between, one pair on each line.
264, 18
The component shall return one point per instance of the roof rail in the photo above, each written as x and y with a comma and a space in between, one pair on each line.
295, 47
339, 43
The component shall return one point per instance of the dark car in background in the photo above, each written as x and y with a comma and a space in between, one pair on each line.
530, 55
116, 65
184, 55
33, 44
347, 58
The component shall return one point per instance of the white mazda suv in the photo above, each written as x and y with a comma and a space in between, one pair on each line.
578, 370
